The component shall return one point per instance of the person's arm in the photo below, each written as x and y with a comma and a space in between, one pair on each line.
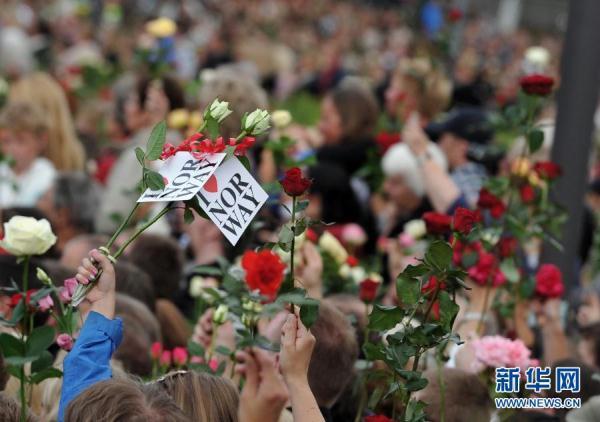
264, 394
441, 189
89, 361
297, 344
556, 345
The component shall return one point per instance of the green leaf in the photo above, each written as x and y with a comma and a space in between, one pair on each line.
195, 205
19, 360
156, 141
300, 226
415, 411
510, 270
212, 126
39, 340
17, 314
188, 216
309, 312
374, 351
527, 287
245, 162
44, 361
222, 350
535, 139
154, 180
285, 238
408, 289
448, 310
208, 270
141, 157
439, 255
195, 349
11, 346
302, 205
385, 317
45, 374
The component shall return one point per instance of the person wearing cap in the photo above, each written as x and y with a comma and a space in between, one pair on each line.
463, 131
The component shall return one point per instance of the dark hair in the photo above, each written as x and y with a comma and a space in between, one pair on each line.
80, 195
140, 330
464, 392
123, 400
589, 386
332, 362
339, 202
357, 106
10, 410
162, 259
134, 282
170, 86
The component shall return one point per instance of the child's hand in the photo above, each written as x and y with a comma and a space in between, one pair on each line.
264, 394
102, 296
297, 344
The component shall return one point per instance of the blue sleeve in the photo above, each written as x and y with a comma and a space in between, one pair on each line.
460, 202
89, 361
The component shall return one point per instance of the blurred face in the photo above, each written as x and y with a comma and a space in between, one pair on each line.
454, 148
589, 311
330, 124
399, 192
73, 253
400, 98
314, 210
22, 147
134, 116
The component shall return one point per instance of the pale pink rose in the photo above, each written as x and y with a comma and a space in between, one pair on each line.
45, 303
406, 240
71, 285
64, 295
180, 356
64, 341
196, 359
165, 358
497, 352
353, 234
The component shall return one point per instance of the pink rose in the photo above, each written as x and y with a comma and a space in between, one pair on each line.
180, 356
497, 352
155, 350
213, 364
45, 303
353, 234
406, 240
165, 358
64, 341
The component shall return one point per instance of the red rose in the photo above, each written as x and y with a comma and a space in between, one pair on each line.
455, 14
537, 84
264, 272
352, 261
16, 298
312, 235
548, 281
486, 271
527, 193
437, 223
431, 285
489, 201
293, 183
377, 418
465, 219
368, 290
385, 140
547, 169
507, 246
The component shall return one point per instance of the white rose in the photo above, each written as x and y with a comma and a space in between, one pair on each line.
358, 274
197, 285
333, 247
415, 228
220, 314
27, 236
43, 277
257, 122
281, 118
345, 271
375, 277
219, 110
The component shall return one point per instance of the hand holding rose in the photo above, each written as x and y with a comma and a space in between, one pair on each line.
102, 296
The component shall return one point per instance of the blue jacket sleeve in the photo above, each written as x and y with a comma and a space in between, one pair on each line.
89, 361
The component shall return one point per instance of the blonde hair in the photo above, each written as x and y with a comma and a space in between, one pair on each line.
24, 117
202, 396
64, 149
432, 86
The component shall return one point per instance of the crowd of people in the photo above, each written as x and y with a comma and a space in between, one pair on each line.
392, 111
